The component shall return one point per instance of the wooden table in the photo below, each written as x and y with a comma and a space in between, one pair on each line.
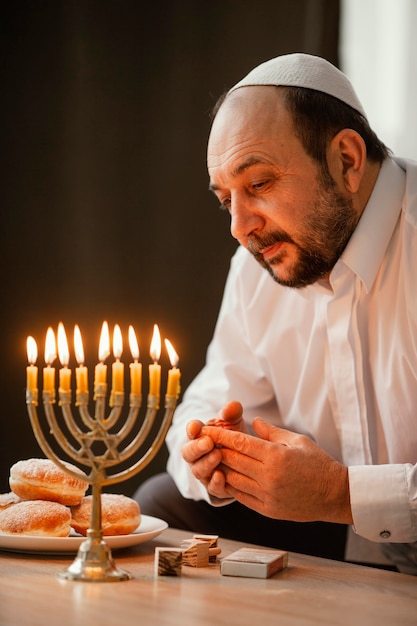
309, 591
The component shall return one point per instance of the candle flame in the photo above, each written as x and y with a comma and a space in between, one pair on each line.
155, 350
78, 345
63, 350
32, 350
173, 356
50, 347
133, 344
104, 345
117, 342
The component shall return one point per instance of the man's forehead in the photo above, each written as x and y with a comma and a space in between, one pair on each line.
247, 108
246, 116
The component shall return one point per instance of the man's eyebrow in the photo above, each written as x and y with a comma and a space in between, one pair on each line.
239, 169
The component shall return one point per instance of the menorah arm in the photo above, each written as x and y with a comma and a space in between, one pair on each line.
65, 404
45, 446
56, 430
170, 404
82, 404
116, 402
140, 437
135, 402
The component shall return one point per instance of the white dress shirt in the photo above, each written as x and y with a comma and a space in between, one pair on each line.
337, 362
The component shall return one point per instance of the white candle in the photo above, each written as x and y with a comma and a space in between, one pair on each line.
81, 372
63, 353
31, 370
155, 368
103, 353
117, 367
135, 367
174, 374
50, 356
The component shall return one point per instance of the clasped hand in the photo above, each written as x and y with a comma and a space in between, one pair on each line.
275, 472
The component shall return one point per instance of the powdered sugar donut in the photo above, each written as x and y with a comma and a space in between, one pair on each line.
41, 479
36, 518
120, 515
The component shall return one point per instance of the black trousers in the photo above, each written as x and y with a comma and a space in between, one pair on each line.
160, 498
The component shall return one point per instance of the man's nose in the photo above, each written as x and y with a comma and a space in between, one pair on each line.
245, 219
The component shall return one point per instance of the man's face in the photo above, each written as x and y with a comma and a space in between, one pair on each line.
283, 208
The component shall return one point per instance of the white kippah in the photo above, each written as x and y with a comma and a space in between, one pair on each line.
304, 70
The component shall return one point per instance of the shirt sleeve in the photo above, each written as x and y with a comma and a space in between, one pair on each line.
231, 372
384, 502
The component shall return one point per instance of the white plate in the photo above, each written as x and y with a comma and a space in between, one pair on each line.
149, 528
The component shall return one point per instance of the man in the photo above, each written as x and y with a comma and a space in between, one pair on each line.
305, 410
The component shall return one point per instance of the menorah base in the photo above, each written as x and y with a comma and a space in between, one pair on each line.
94, 563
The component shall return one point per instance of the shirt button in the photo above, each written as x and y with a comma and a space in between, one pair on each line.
385, 534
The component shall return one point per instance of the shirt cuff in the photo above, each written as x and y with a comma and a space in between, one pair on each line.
380, 503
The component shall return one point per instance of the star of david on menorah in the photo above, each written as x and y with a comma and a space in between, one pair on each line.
106, 443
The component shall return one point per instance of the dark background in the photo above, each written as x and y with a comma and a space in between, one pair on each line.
105, 212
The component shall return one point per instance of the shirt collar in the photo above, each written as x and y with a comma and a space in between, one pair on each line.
368, 243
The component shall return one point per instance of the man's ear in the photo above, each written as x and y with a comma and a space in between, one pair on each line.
346, 158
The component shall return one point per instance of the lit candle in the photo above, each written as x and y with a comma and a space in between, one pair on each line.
81, 372
63, 353
174, 374
117, 367
31, 370
103, 353
155, 368
50, 356
135, 367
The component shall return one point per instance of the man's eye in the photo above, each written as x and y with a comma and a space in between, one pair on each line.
257, 186
225, 205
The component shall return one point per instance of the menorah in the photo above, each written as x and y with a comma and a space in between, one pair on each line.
101, 442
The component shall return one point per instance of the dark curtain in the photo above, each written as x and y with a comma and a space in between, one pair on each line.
105, 212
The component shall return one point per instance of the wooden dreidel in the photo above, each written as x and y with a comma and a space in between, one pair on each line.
195, 553
214, 550
168, 561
